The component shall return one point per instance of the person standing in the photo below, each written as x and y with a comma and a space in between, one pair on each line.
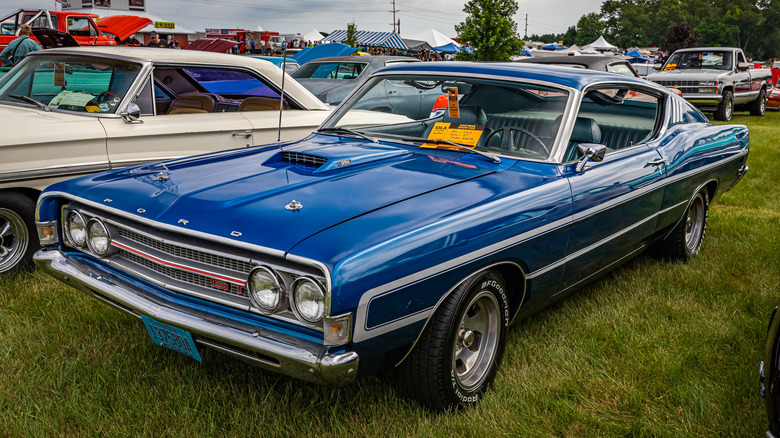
252, 46
156, 41
17, 49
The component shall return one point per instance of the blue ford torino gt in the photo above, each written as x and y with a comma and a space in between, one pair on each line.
440, 203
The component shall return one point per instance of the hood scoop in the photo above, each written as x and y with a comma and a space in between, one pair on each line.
303, 159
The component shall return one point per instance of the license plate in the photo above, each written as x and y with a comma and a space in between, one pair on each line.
171, 337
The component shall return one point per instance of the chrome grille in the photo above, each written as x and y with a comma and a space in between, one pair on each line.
184, 276
678, 83
304, 159
187, 253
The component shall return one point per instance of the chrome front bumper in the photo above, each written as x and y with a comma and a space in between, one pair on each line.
274, 351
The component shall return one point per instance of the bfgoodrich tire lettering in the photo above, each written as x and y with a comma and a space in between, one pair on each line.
460, 349
18, 242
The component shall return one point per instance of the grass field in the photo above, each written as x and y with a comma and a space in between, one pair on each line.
655, 349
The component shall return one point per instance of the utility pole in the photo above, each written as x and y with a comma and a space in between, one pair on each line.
525, 37
395, 22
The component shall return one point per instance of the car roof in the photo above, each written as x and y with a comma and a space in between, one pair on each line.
566, 76
586, 60
364, 59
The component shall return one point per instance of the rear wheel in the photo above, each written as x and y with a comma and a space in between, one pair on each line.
725, 107
17, 241
685, 240
758, 106
458, 353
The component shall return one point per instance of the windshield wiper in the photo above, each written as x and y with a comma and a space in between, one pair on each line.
491, 157
349, 131
37, 103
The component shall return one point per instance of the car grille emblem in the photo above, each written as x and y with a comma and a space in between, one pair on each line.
294, 206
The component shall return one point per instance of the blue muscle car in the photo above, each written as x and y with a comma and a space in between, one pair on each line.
440, 203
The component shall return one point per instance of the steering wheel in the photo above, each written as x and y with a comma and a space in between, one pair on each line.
508, 134
105, 95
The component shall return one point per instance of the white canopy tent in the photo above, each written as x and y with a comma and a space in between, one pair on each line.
432, 37
573, 49
601, 44
313, 35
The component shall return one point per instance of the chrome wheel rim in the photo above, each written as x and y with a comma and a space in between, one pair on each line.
694, 224
763, 103
729, 109
13, 239
476, 341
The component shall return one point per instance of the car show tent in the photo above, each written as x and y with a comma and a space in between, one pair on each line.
601, 44
313, 35
368, 38
322, 51
433, 37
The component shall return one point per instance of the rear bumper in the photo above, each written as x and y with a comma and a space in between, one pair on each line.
270, 350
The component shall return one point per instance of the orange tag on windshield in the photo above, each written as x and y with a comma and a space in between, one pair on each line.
59, 75
452, 97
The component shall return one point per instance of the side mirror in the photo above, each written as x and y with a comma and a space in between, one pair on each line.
589, 152
133, 114
743, 66
658, 67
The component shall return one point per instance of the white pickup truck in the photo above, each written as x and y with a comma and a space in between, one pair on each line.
717, 80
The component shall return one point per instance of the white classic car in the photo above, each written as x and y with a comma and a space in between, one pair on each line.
73, 111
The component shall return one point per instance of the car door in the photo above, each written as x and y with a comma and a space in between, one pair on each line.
616, 202
158, 135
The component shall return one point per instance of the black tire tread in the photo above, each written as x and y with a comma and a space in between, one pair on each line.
755, 106
674, 246
721, 113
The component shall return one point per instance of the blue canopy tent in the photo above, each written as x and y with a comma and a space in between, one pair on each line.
322, 51
554, 46
447, 48
366, 38
635, 54
525, 52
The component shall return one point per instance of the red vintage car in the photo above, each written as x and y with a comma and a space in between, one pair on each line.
69, 28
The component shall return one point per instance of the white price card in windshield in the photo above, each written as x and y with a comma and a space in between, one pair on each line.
460, 133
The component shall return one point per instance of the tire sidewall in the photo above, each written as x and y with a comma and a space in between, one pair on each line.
690, 252
22, 207
493, 283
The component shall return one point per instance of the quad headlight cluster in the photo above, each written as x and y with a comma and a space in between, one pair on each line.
268, 292
91, 234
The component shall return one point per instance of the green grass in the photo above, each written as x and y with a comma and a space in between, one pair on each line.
654, 349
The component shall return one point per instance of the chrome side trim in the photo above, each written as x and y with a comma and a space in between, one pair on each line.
54, 171
286, 354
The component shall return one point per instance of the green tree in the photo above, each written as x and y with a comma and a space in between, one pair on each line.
589, 28
351, 35
489, 31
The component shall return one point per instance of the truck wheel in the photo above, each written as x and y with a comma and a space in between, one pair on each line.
685, 240
725, 107
758, 106
18, 236
456, 357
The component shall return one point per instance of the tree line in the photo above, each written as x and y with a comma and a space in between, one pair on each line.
752, 25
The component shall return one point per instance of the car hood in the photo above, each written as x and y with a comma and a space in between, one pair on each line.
687, 75
248, 194
323, 88
123, 26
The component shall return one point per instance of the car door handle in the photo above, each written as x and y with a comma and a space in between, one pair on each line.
657, 162
246, 134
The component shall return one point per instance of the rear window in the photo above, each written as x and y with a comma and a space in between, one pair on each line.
230, 82
330, 70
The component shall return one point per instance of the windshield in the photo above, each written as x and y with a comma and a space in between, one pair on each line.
330, 70
713, 60
499, 117
68, 83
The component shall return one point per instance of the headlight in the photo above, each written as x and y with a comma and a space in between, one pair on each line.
98, 238
265, 289
76, 228
308, 300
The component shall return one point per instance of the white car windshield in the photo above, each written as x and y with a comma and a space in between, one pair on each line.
500, 117
80, 84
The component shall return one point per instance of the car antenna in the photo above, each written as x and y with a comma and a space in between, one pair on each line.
281, 100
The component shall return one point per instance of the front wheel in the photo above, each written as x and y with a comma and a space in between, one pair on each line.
725, 107
18, 242
460, 349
